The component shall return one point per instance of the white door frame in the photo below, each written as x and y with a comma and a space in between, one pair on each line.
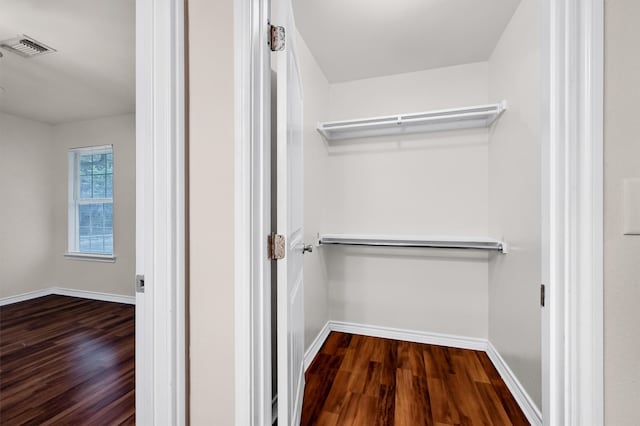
572, 183
160, 213
253, 213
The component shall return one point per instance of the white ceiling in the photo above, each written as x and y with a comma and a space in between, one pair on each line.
91, 75
358, 39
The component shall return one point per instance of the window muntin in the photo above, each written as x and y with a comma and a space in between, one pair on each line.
91, 200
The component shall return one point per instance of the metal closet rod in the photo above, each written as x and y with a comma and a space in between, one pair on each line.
414, 242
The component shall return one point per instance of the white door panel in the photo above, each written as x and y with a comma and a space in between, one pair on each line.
290, 224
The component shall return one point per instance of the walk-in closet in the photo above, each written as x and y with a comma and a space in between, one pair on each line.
422, 190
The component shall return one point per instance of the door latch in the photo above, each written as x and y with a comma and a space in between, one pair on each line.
139, 283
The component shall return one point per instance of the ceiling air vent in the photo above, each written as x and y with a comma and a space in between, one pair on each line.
26, 46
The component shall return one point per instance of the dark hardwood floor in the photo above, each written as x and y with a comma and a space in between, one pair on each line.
358, 380
67, 361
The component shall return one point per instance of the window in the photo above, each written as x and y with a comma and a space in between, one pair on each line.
91, 201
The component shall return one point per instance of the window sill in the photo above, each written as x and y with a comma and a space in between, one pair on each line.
91, 257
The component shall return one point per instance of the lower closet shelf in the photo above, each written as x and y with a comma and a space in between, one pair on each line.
445, 242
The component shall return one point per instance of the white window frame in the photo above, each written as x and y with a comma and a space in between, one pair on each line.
74, 203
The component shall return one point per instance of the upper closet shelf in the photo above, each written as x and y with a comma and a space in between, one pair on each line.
447, 242
421, 122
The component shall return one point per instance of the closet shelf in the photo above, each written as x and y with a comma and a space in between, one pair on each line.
445, 242
421, 122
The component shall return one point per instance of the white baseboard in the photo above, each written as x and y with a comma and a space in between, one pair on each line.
9, 300
521, 396
391, 333
531, 411
316, 345
84, 294
94, 295
450, 340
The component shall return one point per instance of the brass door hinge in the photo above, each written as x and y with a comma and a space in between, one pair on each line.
277, 246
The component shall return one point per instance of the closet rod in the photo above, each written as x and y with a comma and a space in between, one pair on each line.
444, 242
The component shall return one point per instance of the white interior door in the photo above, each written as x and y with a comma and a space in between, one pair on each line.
289, 223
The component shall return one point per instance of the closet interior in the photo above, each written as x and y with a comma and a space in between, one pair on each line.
422, 177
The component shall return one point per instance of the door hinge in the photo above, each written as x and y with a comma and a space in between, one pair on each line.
542, 295
139, 283
277, 38
277, 247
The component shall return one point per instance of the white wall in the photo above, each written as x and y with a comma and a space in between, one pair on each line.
316, 105
33, 230
514, 198
211, 213
26, 225
118, 277
419, 184
622, 253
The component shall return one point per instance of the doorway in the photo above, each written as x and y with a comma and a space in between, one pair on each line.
68, 144
159, 145
551, 110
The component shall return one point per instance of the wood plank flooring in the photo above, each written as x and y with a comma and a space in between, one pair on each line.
67, 361
358, 380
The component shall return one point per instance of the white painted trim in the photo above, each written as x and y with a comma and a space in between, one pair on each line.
160, 212
94, 149
531, 411
94, 295
74, 201
587, 319
84, 294
296, 416
107, 258
252, 91
10, 300
316, 345
145, 375
453, 341
572, 252
244, 311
